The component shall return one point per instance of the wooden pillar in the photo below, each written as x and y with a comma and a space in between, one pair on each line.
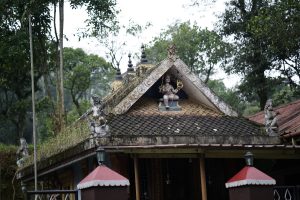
136, 178
203, 178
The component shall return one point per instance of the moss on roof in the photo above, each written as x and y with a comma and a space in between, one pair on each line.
69, 137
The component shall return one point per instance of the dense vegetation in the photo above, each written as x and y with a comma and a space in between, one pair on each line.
256, 39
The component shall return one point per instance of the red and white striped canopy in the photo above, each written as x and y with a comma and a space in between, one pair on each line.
103, 176
250, 176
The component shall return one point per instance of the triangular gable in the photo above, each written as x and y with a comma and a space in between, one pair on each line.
193, 86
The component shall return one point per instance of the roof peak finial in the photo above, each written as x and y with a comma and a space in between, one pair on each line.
130, 68
118, 75
143, 56
172, 52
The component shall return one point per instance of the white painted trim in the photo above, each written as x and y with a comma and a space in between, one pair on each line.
103, 183
249, 182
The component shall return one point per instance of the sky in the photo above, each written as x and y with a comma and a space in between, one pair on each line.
160, 13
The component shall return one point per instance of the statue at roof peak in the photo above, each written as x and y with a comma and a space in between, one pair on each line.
172, 52
271, 119
170, 97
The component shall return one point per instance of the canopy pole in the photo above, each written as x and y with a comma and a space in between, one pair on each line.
203, 178
136, 178
33, 104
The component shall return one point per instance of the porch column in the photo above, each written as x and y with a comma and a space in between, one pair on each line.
136, 178
203, 178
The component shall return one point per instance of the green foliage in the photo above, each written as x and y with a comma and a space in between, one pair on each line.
200, 49
15, 79
278, 26
85, 72
72, 115
69, 137
102, 17
266, 37
45, 121
249, 58
284, 95
251, 109
7, 171
229, 95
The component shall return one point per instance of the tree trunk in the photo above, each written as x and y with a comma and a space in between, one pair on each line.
60, 86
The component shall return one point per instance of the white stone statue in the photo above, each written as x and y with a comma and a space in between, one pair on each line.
98, 122
271, 118
22, 152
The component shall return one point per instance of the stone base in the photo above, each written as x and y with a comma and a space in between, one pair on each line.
173, 106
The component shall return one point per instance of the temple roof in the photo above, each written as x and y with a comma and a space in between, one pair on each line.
136, 122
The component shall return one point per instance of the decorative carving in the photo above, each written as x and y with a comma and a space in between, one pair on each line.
170, 99
22, 152
137, 92
172, 53
98, 122
271, 119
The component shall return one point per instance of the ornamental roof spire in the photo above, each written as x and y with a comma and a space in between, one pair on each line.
143, 56
130, 68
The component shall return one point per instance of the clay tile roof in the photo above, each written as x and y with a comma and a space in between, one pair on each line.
288, 119
144, 119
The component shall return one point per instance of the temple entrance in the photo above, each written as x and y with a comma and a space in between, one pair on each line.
170, 179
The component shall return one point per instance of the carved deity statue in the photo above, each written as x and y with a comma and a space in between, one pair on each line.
98, 122
169, 92
22, 152
271, 119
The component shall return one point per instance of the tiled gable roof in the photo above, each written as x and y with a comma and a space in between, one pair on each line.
144, 119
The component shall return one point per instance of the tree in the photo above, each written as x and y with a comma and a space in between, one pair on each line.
15, 90
258, 28
202, 50
229, 95
278, 27
102, 19
250, 57
85, 72
15, 81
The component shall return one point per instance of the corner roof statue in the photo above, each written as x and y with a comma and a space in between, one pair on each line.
98, 122
271, 119
22, 152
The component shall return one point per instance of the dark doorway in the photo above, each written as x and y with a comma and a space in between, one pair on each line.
170, 179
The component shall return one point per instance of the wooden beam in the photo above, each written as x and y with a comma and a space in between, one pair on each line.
258, 153
164, 155
136, 178
203, 178
164, 151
